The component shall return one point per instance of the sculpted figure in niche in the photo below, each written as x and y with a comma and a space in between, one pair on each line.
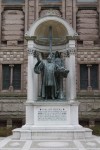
48, 83
60, 73
52, 73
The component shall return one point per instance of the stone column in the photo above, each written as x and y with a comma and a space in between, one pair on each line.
89, 78
71, 79
11, 78
32, 83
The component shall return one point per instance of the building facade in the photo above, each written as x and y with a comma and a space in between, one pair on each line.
16, 17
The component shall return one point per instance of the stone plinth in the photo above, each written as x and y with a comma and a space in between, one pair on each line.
52, 120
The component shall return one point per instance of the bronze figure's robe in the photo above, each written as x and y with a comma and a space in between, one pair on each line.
47, 70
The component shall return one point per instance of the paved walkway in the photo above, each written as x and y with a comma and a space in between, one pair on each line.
86, 144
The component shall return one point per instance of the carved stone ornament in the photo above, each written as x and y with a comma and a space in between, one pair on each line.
70, 51
30, 51
50, 12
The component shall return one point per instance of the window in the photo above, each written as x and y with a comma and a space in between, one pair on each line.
89, 77
83, 77
94, 76
11, 76
6, 76
87, 1
13, 1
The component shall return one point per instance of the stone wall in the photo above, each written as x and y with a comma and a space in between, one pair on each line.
89, 108
16, 20
13, 51
12, 108
11, 105
68, 11
88, 56
88, 26
32, 11
11, 56
12, 27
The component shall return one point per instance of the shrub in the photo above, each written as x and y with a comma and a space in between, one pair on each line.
96, 130
4, 131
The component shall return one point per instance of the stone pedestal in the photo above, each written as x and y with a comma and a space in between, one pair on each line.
52, 120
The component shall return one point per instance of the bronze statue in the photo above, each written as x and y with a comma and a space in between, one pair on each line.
48, 83
60, 73
52, 73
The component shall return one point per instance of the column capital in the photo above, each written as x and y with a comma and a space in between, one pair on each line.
89, 65
30, 51
30, 38
70, 51
69, 37
11, 65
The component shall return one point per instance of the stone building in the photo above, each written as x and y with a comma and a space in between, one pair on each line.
16, 17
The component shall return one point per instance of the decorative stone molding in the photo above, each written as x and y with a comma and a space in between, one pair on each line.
30, 51
50, 12
47, 18
75, 37
29, 37
72, 51
69, 51
67, 54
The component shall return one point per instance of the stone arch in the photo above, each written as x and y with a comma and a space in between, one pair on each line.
59, 20
68, 49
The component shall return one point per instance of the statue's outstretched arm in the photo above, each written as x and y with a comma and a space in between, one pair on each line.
36, 54
38, 58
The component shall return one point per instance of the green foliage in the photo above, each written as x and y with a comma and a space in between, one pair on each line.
96, 130
4, 131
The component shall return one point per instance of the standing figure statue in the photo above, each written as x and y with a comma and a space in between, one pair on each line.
48, 83
60, 73
52, 73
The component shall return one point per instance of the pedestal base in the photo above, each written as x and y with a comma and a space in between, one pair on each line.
44, 133
52, 120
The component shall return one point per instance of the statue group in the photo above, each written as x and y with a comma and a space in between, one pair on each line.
52, 72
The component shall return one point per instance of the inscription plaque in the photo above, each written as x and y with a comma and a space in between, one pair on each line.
52, 114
